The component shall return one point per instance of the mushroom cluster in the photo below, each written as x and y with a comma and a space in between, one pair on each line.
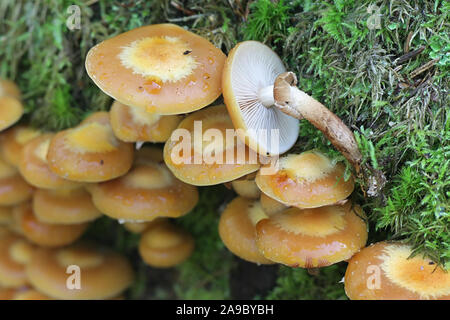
292, 208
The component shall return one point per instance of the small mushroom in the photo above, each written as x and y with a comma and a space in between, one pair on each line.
33, 165
311, 238
140, 226
45, 234
13, 140
104, 274
306, 180
161, 68
165, 245
246, 188
388, 271
64, 206
237, 229
148, 191
89, 152
15, 253
13, 189
271, 206
11, 110
208, 157
260, 95
131, 124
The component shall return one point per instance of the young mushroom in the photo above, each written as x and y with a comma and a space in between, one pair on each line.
207, 154
312, 238
45, 234
33, 165
104, 274
11, 110
15, 253
13, 140
13, 189
161, 68
261, 95
147, 191
165, 245
246, 188
131, 124
388, 271
237, 229
64, 206
89, 152
306, 180
140, 226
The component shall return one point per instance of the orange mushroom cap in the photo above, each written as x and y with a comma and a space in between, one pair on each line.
45, 234
71, 206
237, 229
13, 140
148, 191
33, 165
206, 162
133, 124
13, 189
271, 206
162, 68
306, 180
386, 271
11, 110
90, 152
9, 88
310, 238
141, 226
103, 274
246, 188
15, 253
165, 245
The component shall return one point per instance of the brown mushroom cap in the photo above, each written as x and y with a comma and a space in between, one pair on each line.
385, 271
148, 191
11, 110
306, 180
133, 124
13, 189
9, 88
246, 188
310, 238
165, 245
33, 165
199, 166
104, 274
237, 229
71, 206
90, 152
15, 253
45, 234
271, 206
13, 140
162, 68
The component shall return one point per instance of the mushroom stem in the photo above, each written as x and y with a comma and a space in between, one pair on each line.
296, 103
265, 95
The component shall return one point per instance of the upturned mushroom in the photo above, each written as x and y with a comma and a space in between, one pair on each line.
15, 253
165, 245
13, 189
237, 229
306, 180
312, 238
148, 191
104, 273
33, 165
45, 234
13, 140
131, 124
161, 68
388, 271
64, 206
11, 110
89, 152
203, 152
260, 95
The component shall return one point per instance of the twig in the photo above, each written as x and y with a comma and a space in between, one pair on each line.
408, 55
423, 68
